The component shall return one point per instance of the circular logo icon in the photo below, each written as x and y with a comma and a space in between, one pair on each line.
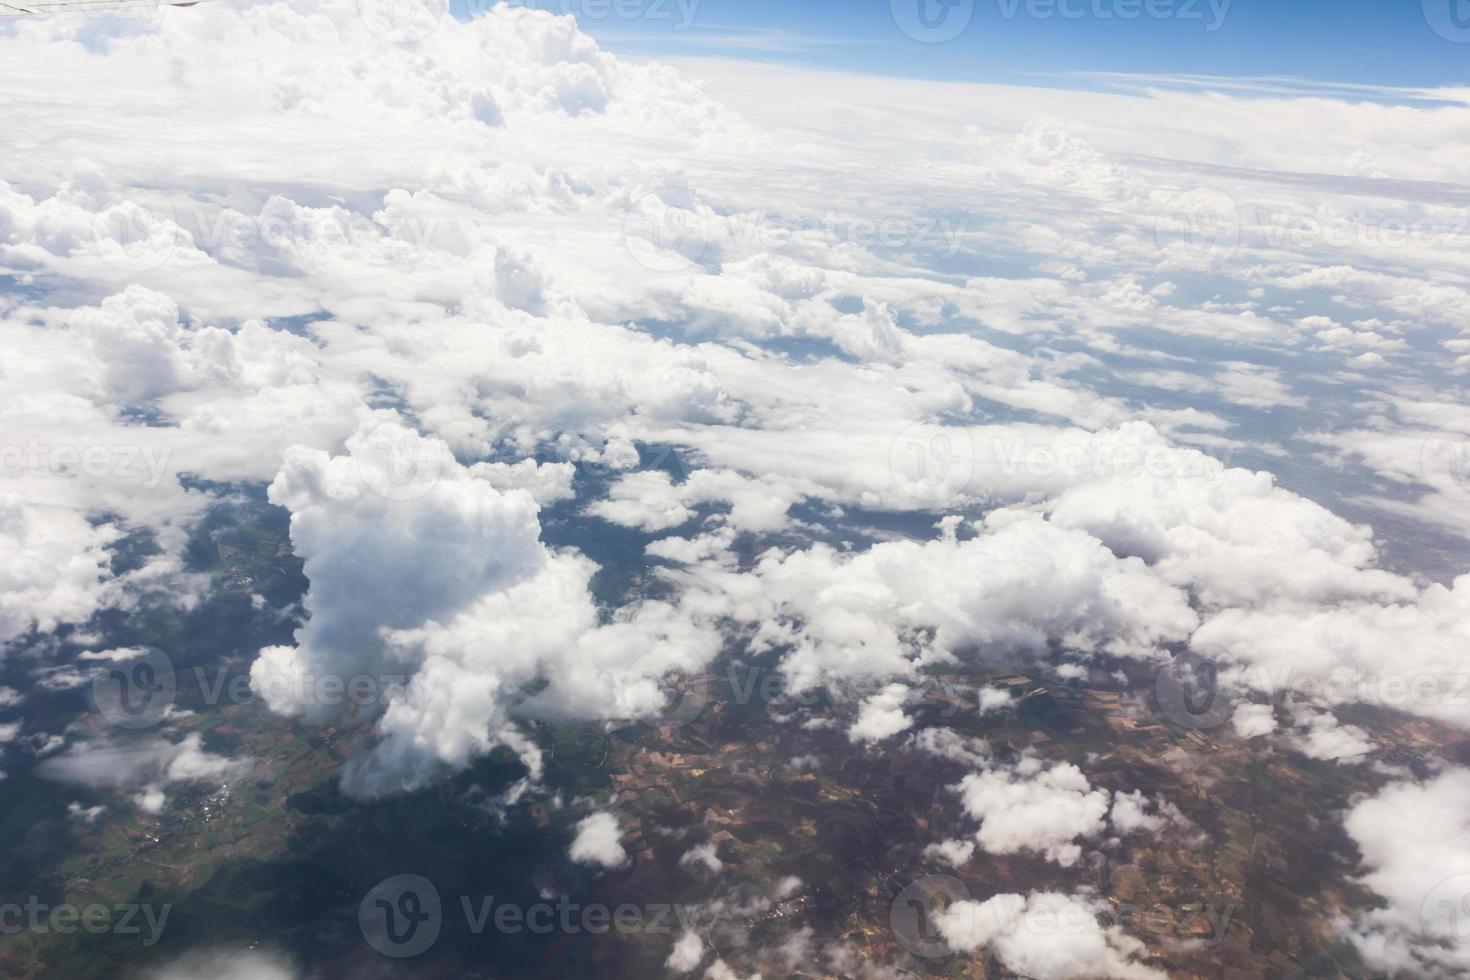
915, 912
683, 696
1445, 460
668, 229
133, 237
397, 463
1202, 224
1450, 19
1189, 692
932, 21
1446, 914
135, 693
401, 917
401, 21
933, 463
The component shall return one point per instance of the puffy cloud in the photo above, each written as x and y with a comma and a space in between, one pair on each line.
1415, 843
704, 856
433, 589
599, 841
1035, 807
54, 567
1046, 935
1253, 720
1021, 583
994, 699
881, 716
1321, 736
687, 952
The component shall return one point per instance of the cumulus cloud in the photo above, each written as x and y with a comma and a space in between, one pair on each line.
687, 952
1046, 935
881, 716
432, 590
1035, 807
599, 841
1253, 720
1415, 844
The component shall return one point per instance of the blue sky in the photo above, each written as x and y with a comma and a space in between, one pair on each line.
1370, 42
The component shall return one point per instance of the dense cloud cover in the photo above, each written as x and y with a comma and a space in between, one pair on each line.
422, 290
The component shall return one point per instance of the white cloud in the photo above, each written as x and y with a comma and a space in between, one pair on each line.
687, 952
1253, 720
1415, 842
148, 766
1047, 935
881, 716
599, 841
434, 588
1034, 807
704, 856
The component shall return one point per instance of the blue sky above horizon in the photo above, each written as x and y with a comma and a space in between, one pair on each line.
1391, 43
